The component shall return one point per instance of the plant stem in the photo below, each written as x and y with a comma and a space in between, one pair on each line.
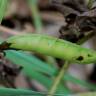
58, 79
36, 15
3, 6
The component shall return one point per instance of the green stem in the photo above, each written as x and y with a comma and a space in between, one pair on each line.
36, 15
58, 79
3, 6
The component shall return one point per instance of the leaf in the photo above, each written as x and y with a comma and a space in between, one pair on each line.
3, 6
87, 94
34, 68
22, 59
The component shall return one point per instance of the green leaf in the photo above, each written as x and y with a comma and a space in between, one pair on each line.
86, 94
34, 68
3, 6
83, 83
23, 92
30, 64
29, 61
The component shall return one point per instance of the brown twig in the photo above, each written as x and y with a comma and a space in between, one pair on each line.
9, 31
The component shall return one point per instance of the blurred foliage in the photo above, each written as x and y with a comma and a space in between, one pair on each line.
35, 68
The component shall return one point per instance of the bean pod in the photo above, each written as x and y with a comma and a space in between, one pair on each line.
51, 46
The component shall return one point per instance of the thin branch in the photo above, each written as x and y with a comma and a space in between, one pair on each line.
10, 31
58, 79
35, 15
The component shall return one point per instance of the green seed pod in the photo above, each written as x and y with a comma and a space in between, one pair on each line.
51, 46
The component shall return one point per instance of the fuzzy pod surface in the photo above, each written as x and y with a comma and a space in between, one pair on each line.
51, 46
